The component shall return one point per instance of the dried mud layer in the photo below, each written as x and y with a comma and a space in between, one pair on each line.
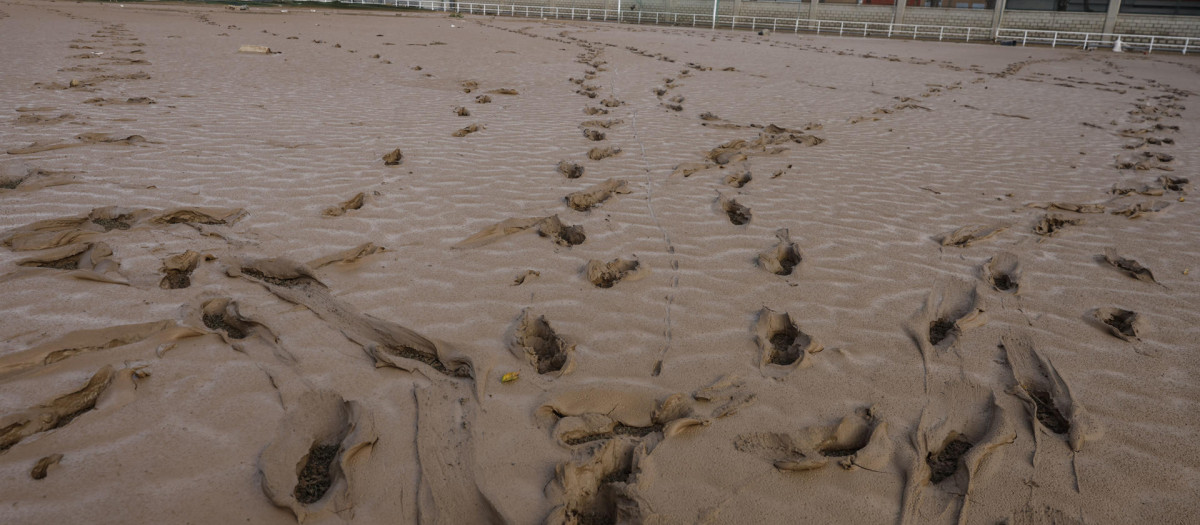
309, 265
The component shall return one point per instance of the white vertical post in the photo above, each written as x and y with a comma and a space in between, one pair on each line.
1151, 50
841, 28
968, 33
715, 2
1054, 41
941, 30
1025, 38
1085, 40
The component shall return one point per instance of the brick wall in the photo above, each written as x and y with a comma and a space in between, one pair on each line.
1186, 26
1054, 21
934, 16
880, 14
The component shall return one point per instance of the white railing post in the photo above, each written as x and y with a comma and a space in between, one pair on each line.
841, 27
1186, 41
1054, 40
968, 33
1151, 50
797, 28
1025, 38
818, 27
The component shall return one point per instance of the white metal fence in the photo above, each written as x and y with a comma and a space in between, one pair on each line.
1021, 37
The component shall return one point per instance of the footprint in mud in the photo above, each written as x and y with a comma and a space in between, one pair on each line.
611, 102
1052, 223
1130, 267
948, 311
551, 227
593, 135
462, 112
783, 258
393, 158
1124, 324
1003, 272
606, 274
221, 316
606, 124
467, 130
614, 433
504, 91
55, 414
350, 256
1146, 160
857, 441
177, 270
598, 153
83, 256
1177, 184
533, 339
585, 416
570, 170
80, 140
738, 214
958, 429
1046, 395
687, 169
388, 344
730, 391
310, 466
1142, 209
585, 200
483, 99
782, 346
968, 235
1068, 206
354, 203
738, 178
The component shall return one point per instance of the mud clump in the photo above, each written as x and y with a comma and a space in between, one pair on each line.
599, 153
570, 170
534, 339
393, 157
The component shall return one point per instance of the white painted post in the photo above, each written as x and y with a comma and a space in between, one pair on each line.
968, 33
797, 28
1186, 41
618, 11
1151, 50
715, 2
1024, 38
1085, 40
841, 27
940, 31
818, 27
889, 35
1054, 41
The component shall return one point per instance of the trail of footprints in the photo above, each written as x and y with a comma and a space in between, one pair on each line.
329, 437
